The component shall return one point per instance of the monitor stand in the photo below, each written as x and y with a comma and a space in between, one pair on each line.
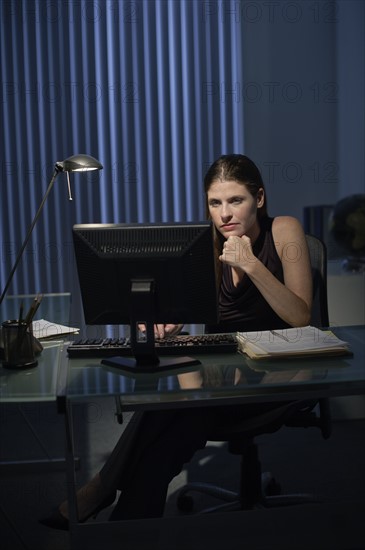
143, 344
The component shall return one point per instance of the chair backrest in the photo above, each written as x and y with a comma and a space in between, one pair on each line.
318, 259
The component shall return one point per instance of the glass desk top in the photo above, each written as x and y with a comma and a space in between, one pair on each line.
37, 384
226, 378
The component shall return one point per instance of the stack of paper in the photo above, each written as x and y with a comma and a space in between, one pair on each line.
292, 342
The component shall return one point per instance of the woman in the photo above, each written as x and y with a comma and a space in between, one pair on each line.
265, 283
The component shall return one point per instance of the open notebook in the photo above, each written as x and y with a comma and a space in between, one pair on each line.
292, 342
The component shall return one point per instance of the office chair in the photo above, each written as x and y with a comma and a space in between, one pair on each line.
257, 488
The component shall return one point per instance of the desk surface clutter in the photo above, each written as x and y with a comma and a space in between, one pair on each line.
293, 342
57, 374
212, 382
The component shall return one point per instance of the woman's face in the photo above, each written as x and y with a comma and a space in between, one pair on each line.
233, 209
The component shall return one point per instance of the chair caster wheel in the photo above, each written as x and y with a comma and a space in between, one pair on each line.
185, 503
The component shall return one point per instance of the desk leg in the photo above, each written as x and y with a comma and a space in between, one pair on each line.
70, 467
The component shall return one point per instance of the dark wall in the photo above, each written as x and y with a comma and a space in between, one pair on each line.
304, 99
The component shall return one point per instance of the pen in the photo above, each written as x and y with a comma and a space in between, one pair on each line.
279, 335
33, 308
20, 320
21, 309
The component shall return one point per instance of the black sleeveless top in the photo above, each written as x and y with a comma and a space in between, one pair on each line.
243, 308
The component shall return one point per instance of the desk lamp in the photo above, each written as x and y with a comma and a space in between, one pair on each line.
76, 163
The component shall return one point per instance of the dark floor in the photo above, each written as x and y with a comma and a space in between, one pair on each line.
300, 459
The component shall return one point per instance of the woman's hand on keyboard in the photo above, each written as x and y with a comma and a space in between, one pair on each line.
161, 331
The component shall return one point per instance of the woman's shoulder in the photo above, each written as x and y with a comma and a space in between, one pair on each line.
287, 231
287, 227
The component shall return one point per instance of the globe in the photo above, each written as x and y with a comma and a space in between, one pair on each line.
347, 226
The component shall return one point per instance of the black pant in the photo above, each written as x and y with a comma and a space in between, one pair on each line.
162, 443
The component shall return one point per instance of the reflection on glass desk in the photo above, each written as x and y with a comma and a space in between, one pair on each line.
37, 384
225, 378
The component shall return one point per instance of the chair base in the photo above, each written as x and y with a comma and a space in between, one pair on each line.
258, 489
269, 497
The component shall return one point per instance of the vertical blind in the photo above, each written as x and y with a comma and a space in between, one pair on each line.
147, 87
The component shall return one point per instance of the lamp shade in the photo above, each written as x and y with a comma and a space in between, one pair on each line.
79, 163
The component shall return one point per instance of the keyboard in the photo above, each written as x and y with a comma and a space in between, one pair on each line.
181, 344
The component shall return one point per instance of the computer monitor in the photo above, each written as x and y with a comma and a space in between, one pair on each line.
144, 274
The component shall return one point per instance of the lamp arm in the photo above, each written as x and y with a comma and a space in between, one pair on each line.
30, 230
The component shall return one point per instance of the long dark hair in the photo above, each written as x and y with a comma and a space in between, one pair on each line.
238, 168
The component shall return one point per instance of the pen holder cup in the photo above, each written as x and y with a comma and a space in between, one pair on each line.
18, 345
